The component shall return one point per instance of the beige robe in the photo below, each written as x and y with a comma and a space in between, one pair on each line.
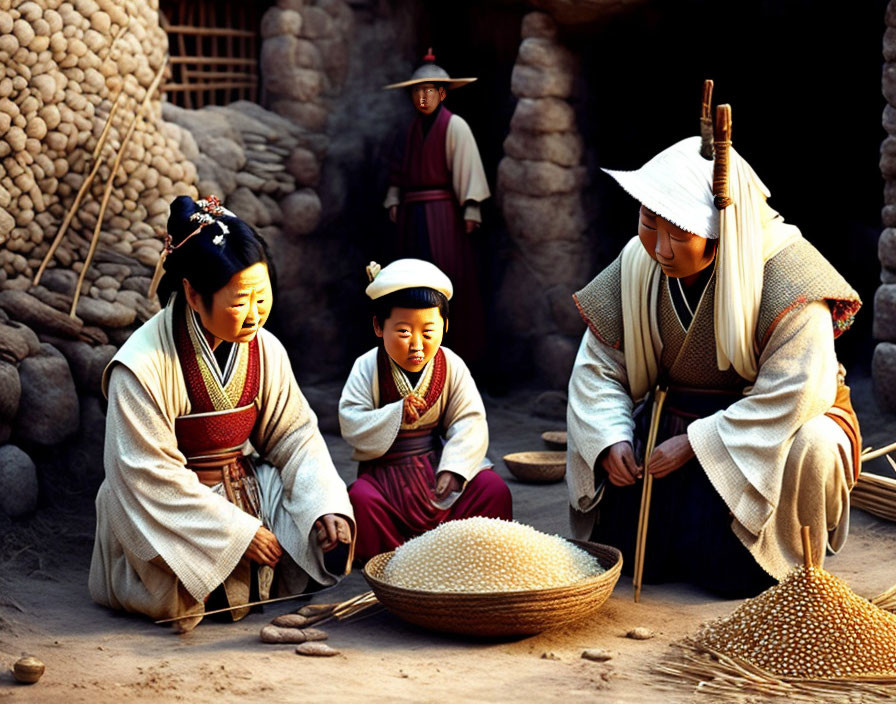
164, 541
467, 173
774, 458
371, 430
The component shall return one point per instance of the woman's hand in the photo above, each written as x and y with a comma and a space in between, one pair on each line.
332, 530
618, 461
446, 482
265, 548
670, 455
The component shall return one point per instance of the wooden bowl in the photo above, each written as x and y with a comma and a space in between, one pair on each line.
494, 614
537, 467
554, 439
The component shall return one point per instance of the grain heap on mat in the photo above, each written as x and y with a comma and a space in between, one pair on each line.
811, 625
488, 555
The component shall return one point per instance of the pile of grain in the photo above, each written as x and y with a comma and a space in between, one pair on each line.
810, 626
488, 555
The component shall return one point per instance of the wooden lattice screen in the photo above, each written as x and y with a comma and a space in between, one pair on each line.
214, 47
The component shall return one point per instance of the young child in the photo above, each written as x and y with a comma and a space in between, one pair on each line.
413, 415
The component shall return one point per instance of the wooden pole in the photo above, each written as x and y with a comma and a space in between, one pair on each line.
98, 160
807, 547
108, 192
644, 515
721, 148
706, 120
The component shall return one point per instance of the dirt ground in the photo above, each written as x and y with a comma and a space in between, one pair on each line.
95, 655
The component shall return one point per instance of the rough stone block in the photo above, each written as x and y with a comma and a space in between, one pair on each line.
538, 178
543, 219
18, 482
888, 158
564, 148
543, 115
538, 24
888, 215
886, 248
301, 212
544, 53
884, 327
48, 409
277, 22
889, 82
304, 167
316, 23
301, 84
533, 82
311, 116
883, 375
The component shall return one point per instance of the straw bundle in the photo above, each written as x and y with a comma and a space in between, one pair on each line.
876, 495
488, 555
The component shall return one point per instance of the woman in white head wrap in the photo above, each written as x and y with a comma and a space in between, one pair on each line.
732, 312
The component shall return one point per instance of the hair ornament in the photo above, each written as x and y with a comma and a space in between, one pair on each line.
372, 270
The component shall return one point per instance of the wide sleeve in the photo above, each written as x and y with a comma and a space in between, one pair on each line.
287, 436
160, 507
744, 448
598, 414
466, 429
368, 429
467, 173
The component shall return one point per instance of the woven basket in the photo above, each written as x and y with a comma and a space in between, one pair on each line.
499, 613
554, 439
537, 466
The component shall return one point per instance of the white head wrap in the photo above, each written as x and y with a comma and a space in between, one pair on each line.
677, 185
406, 273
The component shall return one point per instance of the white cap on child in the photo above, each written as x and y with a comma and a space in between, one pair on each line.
406, 273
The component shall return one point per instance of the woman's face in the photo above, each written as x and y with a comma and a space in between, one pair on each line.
239, 309
411, 336
680, 253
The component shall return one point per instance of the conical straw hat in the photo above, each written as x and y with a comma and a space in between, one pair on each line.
429, 72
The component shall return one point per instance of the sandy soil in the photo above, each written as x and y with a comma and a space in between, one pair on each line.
94, 655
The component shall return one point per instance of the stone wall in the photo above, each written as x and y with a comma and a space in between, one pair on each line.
540, 181
883, 365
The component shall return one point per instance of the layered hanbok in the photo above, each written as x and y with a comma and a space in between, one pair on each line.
198, 455
400, 456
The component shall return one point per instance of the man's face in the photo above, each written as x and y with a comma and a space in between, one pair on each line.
427, 96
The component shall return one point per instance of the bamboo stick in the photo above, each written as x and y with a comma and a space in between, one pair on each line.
870, 454
98, 160
108, 192
807, 547
199, 86
644, 515
213, 60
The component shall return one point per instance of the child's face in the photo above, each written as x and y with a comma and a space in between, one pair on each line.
411, 336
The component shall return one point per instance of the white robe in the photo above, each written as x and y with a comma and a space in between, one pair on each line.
467, 173
371, 430
164, 541
773, 456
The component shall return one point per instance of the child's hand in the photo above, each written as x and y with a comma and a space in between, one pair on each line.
470, 226
393, 213
332, 530
446, 482
414, 405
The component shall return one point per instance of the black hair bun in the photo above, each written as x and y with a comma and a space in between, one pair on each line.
179, 223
